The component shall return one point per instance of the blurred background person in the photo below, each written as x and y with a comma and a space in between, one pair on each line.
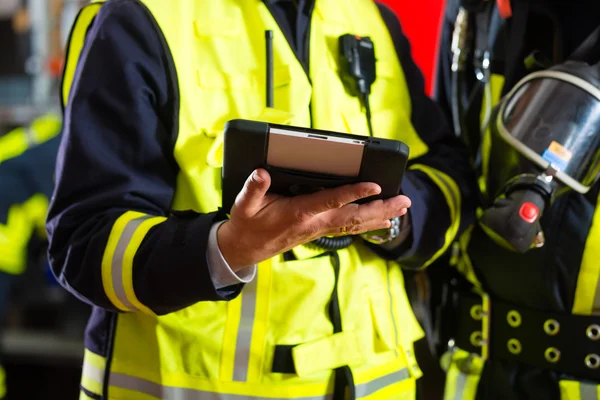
40, 326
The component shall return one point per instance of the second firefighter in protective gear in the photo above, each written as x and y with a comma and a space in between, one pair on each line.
521, 319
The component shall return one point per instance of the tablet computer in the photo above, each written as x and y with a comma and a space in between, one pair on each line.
305, 160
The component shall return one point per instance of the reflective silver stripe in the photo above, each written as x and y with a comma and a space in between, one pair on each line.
461, 381
588, 391
368, 388
117, 262
93, 372
30, 135
244, 335
389, 288
175, 393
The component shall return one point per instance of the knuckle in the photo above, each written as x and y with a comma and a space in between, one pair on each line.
334, 203
355, 220
301, 216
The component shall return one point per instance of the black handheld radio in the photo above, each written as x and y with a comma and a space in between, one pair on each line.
357, 58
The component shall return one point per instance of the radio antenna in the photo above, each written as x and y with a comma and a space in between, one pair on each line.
269, 44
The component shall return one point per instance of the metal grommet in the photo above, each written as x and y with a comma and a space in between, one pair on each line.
476, 338
514, 346
552, 354
593, 332
592, 361
551, 327
477, 312
514, 318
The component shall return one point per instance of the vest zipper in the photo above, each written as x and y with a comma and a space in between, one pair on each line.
343, 375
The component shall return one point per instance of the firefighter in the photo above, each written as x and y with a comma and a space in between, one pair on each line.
134, 228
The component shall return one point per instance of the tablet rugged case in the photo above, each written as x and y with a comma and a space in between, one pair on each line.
245, 149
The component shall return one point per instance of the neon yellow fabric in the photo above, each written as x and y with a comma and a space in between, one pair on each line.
2, 382
331, 352
453, 200
463, 262
22, 222
17, 141
228, 347
495, 86
587, 294
75, 45
463, 376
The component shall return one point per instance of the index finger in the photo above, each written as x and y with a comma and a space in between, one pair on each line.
330, 199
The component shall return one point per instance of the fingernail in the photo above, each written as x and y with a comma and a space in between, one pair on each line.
256, 177
374, 191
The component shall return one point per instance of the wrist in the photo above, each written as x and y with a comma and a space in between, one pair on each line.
383, 236
229, 244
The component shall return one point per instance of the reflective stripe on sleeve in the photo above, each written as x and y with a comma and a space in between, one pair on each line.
453, 198
117, 264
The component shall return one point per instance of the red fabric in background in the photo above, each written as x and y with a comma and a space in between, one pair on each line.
421, 22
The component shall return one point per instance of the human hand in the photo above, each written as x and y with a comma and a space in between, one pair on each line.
262, 224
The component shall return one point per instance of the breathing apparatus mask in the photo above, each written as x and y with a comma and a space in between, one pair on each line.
545, 141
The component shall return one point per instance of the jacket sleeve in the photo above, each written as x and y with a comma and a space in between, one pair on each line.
113, 241
440, 183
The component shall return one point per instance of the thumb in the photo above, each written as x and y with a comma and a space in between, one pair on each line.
250, 199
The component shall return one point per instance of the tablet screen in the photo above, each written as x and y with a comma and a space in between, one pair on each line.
316, 153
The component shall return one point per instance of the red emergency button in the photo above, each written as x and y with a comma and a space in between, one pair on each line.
504, 8
529, 212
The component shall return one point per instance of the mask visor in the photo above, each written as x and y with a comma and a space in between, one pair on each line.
553, 119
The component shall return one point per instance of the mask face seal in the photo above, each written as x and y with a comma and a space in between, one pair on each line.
545, 141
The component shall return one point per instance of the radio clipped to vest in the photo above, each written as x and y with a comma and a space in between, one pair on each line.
357, 56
